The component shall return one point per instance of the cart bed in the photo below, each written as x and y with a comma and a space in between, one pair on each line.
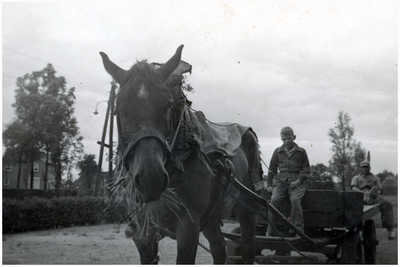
326, 208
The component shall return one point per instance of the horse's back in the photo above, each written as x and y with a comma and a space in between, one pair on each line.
250, 148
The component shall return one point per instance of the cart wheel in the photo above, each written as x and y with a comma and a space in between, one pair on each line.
369, 237
349, 251
359, 255
234, 251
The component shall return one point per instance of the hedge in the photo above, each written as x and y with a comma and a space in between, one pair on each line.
41, 213
29, 193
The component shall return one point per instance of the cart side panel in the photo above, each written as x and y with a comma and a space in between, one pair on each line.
321, 208
351, 206
325, 208
321, 200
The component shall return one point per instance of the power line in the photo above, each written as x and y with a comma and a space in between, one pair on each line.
9, 76
81, 97
90, 88
72, 82
83, 75
15, 65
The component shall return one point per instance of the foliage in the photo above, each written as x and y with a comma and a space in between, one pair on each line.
389, 186
383, 175
41, 213
321, 178
28, 193
347, 154
87, 173
44, 109
186, 86
359, 156
15, 138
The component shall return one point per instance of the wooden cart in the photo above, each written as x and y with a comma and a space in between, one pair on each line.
337, 224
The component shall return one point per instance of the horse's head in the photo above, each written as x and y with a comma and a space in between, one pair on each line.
143, 109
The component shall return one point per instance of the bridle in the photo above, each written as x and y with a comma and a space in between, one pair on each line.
127, 142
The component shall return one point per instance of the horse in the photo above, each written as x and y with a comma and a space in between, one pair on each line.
174, 187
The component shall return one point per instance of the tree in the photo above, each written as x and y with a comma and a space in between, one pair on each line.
344, 147
186, 86
389, 185
87, 175
27, 105
359, 155
14, 139
383, 175
320, 178
45, 107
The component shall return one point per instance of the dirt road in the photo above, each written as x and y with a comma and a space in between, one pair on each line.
106, 244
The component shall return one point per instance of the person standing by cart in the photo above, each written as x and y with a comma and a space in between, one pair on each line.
288, 169
370, 185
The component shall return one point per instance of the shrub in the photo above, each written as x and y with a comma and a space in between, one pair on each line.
389, 186
29, 193
41, 213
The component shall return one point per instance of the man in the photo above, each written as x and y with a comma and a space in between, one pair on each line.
370, 185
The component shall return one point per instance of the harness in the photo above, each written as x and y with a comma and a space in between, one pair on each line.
178, 147
127, 142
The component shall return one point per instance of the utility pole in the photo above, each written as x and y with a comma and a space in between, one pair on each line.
109, 114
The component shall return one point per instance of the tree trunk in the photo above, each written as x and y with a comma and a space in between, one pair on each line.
343, 183
46, 170
58, 177
19, 169
32, 173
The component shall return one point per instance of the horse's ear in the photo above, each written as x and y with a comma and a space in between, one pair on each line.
116, 72
166, 69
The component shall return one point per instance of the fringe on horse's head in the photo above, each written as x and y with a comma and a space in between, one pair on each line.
137, 72
141, 74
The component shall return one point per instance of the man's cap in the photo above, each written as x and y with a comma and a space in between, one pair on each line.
364, 163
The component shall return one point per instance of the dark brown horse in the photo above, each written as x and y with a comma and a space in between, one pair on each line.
173, 187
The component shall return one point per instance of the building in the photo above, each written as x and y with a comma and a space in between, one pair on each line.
10, 175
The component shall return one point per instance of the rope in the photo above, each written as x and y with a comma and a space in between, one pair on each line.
204, 247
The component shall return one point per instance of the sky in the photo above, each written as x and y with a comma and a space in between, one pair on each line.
266, 65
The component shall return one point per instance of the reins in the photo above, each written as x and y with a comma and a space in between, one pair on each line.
179, 125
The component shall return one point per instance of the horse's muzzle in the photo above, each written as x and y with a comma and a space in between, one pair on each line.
151, 189
146, 166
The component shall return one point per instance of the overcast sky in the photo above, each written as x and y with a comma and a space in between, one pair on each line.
266, 65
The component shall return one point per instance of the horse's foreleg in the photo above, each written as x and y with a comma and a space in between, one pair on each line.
187, 238
214, 236
247, 222
148, 253
146, 244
